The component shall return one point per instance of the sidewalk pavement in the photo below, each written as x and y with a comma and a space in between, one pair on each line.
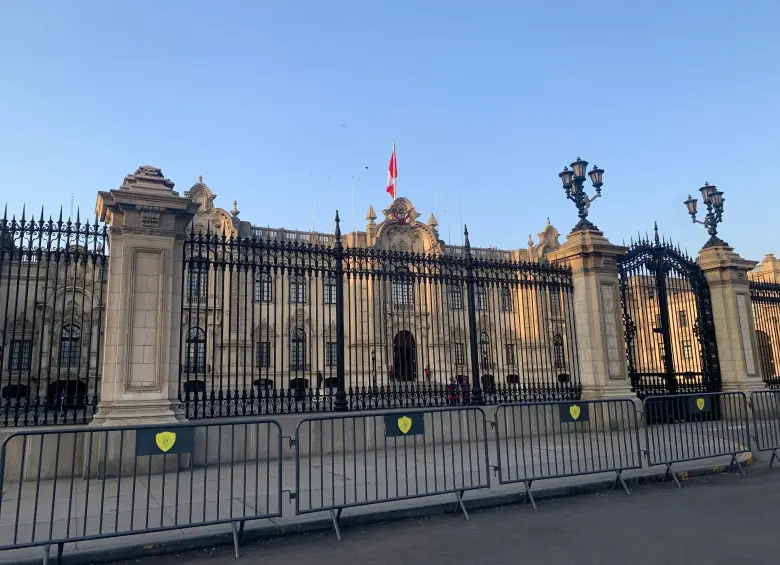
78, 507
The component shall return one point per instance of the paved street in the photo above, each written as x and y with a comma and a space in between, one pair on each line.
714, 519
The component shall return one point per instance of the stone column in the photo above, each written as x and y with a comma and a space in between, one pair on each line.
147, 221
735, 331
597, 311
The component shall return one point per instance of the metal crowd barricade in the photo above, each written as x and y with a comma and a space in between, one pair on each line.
357, 460
547, 440
78, 484
765, 406
689, 427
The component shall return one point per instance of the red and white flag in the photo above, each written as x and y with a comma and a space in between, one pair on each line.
392, 174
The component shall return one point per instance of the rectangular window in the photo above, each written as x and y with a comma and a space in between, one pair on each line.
298, 355
506, 300
330, 291
403, 293
662, 352
197, 283
555, 303
481, 295
510, 353
683, 318
460, 354
330, 354
297, 290
658, 321
20, 356
456, 298
263, 353
687, 350
263, 288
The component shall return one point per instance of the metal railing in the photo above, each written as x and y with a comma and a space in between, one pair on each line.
538, 441
368, 459
765, 406
111, 482
698, 426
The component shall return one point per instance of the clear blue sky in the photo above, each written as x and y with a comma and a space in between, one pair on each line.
486, 101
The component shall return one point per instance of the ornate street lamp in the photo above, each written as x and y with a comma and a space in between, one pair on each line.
713, 199
573, 184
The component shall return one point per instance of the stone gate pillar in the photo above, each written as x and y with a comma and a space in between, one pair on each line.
146, 224
597, 312
732, 312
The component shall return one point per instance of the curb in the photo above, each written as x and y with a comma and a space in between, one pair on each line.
275, 531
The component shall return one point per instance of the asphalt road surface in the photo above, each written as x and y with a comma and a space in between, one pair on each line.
717, 519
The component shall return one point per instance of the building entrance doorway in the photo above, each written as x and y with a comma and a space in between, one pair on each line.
404, 356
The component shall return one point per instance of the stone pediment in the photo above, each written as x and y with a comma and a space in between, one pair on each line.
400, 230
209, 217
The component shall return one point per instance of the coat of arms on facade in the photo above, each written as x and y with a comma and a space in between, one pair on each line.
401, 212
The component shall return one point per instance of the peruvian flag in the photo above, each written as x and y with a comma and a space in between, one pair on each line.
392, 174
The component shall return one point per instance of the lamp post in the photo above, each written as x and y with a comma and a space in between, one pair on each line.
574, 185
713, 199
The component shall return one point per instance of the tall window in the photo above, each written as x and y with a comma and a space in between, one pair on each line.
658, 320
297, 290
263, 354
330, 354
456, 297
683, 314
403, 287
197, 283
662, 351
481, 295
330, 290
70, 342
555, 302
510, 353
484, 348
506, 300
263, 289
195, 361
687, 349
460, 354
559, 353
298, 350
20, 355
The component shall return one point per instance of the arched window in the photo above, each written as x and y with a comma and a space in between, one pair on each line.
481, 295
484, 348
70, 346
195, 361
506, 299
297, 290
263, 292
559, 352
402, 287
198, 281
329, 287
298, 350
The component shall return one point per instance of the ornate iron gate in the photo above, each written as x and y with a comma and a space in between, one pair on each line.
667, 311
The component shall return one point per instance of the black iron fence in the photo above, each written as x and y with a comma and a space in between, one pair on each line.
52, 280
537, 441
77, 484
343, 462
765, 298
274, 326
698, 426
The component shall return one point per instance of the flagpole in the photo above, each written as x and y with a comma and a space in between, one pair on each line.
353, 202
460, 207
330, 206
395, 180
311, 200
447, 213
